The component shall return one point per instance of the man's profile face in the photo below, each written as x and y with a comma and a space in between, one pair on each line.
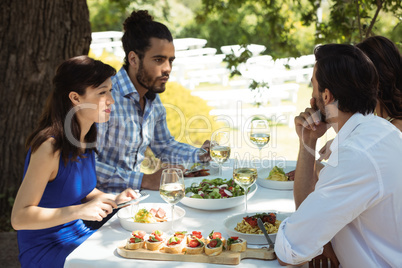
154, 69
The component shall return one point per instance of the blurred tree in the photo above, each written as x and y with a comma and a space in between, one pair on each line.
36, 36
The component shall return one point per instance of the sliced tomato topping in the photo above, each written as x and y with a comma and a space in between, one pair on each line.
158, 237
216, 235
197, 234
234, 237
194, 243
213, 243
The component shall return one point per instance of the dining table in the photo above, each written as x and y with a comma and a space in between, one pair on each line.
100, 249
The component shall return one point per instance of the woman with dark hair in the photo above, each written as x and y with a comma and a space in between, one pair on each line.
388, 62
58, 190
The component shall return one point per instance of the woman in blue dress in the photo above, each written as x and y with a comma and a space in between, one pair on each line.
58, 190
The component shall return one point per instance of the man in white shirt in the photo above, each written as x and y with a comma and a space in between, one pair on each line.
354, 208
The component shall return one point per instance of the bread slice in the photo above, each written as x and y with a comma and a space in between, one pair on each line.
238, 245
214, 251
135, 245
174, 245
195, 250
153, 246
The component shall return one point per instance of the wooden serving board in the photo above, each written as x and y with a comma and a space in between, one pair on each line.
226, 257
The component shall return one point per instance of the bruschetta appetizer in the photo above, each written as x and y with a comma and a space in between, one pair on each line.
181, 235
236, 244
136, 240
194, 235
214, 247
174, 245
214, 235
194, 246
155, 241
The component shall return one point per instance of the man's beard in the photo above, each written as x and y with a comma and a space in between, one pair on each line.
145, 80
319, 106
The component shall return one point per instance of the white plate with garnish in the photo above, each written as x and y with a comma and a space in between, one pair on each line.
264, 172
216, 203
126, 216
257, 239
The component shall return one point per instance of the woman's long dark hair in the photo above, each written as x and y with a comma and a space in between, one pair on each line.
75, 74
388, 62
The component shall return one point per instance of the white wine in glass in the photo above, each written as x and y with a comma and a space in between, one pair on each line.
260, 134
220, 148
172, 188
245, 175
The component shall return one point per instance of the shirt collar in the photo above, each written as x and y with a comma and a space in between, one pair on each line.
126, 87
349, 127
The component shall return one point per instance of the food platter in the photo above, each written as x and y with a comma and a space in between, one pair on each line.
276, 185
216, 204
211, 167
258, 239
126, 215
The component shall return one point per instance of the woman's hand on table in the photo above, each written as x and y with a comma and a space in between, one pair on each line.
126, 195
96, 209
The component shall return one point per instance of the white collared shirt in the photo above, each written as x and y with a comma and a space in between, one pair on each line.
357, 202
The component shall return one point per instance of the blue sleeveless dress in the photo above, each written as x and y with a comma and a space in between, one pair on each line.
49, 247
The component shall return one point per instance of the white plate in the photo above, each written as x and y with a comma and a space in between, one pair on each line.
126, 215
257, 239
217, 204
263, 173
213, 168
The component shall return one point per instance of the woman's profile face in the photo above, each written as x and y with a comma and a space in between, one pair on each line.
95, 104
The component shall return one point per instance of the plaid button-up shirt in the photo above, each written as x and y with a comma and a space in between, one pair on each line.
122, 140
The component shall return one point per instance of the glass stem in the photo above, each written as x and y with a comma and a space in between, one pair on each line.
220, 170
172, 217
259, 151
245, 196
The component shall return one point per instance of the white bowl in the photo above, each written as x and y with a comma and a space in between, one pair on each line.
126, 215
217, 204
257, 239
263, 174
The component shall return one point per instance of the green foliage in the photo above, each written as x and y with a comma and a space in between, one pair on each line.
353, 21
106, 15
243, 22
188, 116
109, 15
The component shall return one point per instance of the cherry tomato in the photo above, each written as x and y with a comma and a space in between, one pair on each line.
213, 243
194, 243
197, 234
216, 235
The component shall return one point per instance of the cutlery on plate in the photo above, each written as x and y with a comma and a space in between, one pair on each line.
262, 227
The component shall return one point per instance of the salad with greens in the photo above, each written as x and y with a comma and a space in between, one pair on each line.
214, 189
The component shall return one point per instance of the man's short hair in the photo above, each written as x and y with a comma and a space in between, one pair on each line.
349, 75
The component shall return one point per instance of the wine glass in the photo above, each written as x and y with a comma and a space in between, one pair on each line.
220, 148
244, 174
172, 188
259, 134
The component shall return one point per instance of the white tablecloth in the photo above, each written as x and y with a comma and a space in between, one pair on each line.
99, 250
